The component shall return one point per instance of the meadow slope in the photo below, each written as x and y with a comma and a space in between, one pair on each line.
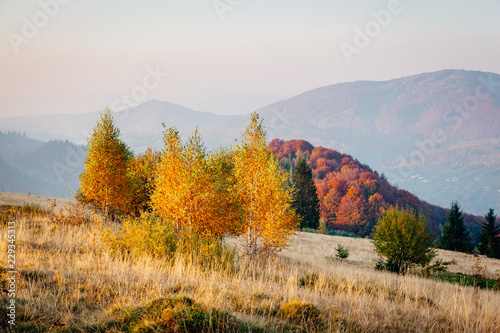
67, 282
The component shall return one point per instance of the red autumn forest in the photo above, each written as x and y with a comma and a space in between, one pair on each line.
352, 195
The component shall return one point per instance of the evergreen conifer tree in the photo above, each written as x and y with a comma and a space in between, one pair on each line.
305, 199
455, 235
489, 239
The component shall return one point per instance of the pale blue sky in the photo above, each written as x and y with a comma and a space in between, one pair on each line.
91, 52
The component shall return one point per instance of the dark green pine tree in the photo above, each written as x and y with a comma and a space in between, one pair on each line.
455, 235
489, 239
305, 198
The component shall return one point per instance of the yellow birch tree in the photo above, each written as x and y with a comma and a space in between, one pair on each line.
104, 182
193, 189
269, 222
169, 197
141, 172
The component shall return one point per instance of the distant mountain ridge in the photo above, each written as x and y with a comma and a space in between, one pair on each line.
144, 118
41, 168
435, 134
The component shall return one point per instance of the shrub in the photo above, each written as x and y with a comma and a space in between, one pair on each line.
147, 234
310, 230
438, 267
341, 252
73, 213
301, 313
480, 272
403, 240
151, 235
178, 314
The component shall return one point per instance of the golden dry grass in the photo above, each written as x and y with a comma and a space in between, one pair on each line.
317, 249
65, 278
19, 199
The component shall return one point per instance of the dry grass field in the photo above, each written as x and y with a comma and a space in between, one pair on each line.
18, 199
316, 249
66, 282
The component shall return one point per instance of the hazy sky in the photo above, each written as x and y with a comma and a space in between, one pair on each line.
226, 55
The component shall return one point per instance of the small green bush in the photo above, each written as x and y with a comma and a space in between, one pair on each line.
341, 253
310, 230
403, 240
438, 267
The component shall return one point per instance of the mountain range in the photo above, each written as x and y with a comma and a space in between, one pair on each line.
434, 134
37, 167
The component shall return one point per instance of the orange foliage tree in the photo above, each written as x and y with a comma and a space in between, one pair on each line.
194, 189
351, 214
269, 222
142, 170
169, 196
104, 182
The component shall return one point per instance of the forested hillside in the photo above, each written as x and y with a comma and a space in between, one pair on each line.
36, 167
434, 134
352, 195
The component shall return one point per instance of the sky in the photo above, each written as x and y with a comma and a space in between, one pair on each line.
226, 56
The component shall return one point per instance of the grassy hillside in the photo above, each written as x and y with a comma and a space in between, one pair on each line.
67, 282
